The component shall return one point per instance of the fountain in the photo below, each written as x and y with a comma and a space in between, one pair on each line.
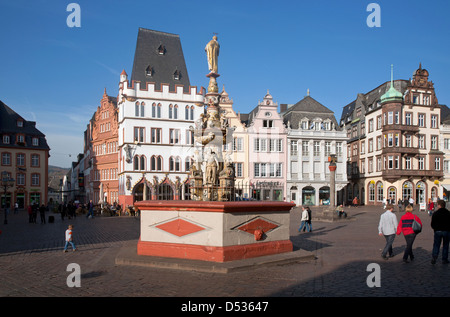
211, 226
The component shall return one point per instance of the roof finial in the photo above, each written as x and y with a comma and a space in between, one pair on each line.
392, 75
307, 92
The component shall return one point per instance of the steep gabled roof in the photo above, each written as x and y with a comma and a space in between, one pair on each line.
8, 126
158, 57
310, 108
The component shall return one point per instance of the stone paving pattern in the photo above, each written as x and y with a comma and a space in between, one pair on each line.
32, 262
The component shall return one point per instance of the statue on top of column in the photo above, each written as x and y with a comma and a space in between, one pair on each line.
212, 53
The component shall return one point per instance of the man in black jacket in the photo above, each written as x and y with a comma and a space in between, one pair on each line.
440, 222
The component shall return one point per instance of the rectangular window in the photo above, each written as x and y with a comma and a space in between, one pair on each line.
305, 148
434, 121
437, 164
421, 163
237, 144
6, 159
390, 117
156, 135
434, 142
139, 134
421, 120
408, 118
35, 180
35, 160
20, 179
408, 163
174, 135
421, 141
20, 159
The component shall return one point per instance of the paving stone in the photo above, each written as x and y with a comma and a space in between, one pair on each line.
33, 263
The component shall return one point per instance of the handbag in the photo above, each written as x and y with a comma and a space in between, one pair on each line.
416, 226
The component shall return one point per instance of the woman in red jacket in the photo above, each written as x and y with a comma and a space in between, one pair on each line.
405, 226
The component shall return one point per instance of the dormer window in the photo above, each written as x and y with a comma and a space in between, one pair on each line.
149, 71
177, 75
35, 141
20, 123
161, 50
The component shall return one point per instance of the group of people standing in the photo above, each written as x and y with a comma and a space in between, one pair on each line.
389, 227
33, 210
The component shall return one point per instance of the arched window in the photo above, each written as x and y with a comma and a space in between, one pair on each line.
175, 112
371, 191
159, 163
187, 163
170, 111
136, 109
380, 191
142, 109
407, 190
136, 163
192, 113
174, 164
158, 111
153, 163
153, 110
392, 195
142, 163
186, 113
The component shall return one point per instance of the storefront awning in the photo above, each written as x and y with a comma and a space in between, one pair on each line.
446, 186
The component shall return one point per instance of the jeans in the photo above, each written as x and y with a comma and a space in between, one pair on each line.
409, 242
439, 236
388, 248
67, 244
307, 224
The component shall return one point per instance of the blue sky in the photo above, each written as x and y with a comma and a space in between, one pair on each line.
55, 75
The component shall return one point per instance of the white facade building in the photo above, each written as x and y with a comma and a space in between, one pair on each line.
313, 135
155, 111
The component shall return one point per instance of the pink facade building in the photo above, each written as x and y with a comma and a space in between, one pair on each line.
267, 143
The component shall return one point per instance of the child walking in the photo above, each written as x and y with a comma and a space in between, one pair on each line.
69, 239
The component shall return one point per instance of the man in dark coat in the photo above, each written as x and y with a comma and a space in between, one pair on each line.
440, 222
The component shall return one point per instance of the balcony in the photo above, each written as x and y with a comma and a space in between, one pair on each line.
393, 174
400, 127
400, 150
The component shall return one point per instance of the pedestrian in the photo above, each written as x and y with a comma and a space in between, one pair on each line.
69, 239
440, 222
387, 228
16, 208
35, 208
400, 205
430, 207
42, 213
405, 227
30, 214
384, 203
305, 217
309, 219
91, 210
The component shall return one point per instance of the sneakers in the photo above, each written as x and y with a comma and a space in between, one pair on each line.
433, 261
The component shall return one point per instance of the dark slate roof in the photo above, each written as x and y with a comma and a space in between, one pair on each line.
163, 66
8, 126
445, 114
369, 100
310, 108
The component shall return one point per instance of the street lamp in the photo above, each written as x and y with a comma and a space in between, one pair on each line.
6, 182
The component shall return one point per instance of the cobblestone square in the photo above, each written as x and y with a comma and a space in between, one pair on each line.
33, 263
